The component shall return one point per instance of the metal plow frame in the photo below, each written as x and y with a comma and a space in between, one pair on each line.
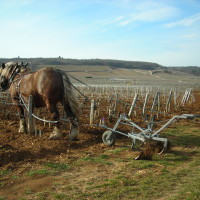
144, 135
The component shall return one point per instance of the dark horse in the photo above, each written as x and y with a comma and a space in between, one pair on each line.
48, 86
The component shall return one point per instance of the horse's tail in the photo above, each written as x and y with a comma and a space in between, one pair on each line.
70, 103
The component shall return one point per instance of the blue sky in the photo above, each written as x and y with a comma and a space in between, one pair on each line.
162, 31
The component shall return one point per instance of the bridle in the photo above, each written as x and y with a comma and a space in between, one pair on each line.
10, 77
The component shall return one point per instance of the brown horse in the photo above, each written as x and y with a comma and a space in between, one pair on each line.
48, 86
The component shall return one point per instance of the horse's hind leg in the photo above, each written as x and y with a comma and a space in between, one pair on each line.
74, 131
74, 128
54, 117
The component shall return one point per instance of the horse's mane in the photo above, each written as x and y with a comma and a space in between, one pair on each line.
11, 66
25, 69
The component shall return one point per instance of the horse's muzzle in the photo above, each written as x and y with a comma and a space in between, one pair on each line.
4, 85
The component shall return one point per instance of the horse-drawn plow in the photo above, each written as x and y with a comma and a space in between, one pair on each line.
146, 137
15, 76
145, 134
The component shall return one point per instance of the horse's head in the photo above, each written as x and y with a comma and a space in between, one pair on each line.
7, 73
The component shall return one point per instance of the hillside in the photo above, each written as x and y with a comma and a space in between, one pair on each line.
190, 70
37, 63
90, 62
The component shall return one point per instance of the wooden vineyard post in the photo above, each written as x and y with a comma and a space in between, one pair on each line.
133, 104
110, 106
30, 117
168, 102
175, 106
183, 99
115, 104
44, 122
155, 103
188, 95
158, 104
97, 111
92, 112
145, 104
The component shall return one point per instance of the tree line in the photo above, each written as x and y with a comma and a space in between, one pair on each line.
35, 62
89, 62
194, 70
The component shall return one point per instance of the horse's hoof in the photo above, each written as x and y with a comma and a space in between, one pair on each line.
73, 139
22, 131
54, 137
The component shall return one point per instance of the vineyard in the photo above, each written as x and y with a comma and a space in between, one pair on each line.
101, 104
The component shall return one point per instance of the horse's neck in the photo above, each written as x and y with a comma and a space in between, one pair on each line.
25, 70
18, 78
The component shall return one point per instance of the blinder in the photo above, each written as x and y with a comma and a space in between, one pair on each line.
6, 81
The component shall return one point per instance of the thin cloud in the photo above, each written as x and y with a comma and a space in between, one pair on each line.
119, 18
153, 15
105, 25
191, 36
188, 21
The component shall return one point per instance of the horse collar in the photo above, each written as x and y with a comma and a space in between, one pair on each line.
18, 84
14, 73
20, 79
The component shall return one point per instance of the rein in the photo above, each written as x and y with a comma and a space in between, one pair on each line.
86, 97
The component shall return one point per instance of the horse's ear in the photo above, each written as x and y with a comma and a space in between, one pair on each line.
26, 65
3, 65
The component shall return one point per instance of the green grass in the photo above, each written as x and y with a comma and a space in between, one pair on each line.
50, 169
58, 166
41, 196
175, 175
61, 196
118, 150
103, 159
38, 172
5, 172
184, 136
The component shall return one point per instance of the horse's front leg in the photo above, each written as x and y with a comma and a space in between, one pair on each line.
22, 122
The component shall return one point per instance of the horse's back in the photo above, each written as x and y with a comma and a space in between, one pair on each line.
49, 81
45, 85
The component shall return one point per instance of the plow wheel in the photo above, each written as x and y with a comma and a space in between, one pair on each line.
151, 148
109, 138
